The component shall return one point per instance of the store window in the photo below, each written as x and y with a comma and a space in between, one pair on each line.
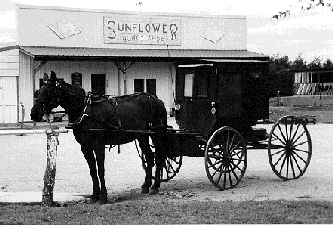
76, 79
151, 86
138, 85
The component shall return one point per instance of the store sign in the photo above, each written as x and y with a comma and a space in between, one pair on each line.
149, 31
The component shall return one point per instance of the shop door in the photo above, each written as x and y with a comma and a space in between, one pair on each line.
8, 100
98, 84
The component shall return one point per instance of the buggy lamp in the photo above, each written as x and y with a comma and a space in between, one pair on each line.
177, 106
213, 109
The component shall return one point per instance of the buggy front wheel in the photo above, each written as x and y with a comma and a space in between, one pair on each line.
289, 148
226, 158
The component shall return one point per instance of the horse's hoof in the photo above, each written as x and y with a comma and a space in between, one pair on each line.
92, 200
154, 191
145, 190
103, 201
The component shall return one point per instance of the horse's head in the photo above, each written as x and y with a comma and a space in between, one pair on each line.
48, 99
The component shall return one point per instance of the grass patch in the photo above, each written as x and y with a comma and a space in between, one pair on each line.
150, 210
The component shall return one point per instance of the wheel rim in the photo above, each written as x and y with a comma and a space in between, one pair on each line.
289, 148
226, 158
170, 168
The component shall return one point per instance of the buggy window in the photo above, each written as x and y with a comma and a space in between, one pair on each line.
188, 85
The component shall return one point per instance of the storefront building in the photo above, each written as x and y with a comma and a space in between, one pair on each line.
113, 52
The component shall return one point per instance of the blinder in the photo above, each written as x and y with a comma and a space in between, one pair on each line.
47, 106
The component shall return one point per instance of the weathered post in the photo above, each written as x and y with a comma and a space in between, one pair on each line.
50, 171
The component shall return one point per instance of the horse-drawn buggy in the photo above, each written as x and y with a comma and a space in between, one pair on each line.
217, 103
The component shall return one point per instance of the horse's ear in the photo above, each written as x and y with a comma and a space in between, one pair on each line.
53, 77
45, 77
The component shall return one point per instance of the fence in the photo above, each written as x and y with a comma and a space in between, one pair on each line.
50, 171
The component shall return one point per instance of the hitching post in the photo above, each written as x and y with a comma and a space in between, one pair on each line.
50, 171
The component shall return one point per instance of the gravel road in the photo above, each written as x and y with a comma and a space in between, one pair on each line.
23, 162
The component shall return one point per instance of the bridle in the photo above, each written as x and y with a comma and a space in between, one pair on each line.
55, 101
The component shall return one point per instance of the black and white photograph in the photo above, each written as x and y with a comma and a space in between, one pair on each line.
166, 112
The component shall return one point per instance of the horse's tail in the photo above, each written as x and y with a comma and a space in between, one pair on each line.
160, 125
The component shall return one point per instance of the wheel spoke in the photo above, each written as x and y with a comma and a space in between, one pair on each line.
299, 156
287, 166
236, 166
235, 175
286, 130
290, 135
216, 163
235, 147
240, 160
280, 129
227, 140
219, 168
299, 137
301, 143
283, 164
292, 138
232, 140
297, 163
295, 149
279, 159
278, 138
237, 153
220, 173
293, 170
282, 150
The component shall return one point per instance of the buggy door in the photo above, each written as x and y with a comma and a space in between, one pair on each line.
195, 92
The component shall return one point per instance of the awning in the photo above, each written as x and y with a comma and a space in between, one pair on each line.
233, 60
56, 53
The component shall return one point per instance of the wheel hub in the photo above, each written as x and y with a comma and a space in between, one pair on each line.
226, 161
289, 147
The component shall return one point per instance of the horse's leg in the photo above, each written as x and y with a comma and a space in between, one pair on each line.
159, 145
149, 156
91, 161
99, 149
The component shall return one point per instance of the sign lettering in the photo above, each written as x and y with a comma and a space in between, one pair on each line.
150, 31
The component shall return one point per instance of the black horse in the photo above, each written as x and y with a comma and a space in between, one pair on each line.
98, 121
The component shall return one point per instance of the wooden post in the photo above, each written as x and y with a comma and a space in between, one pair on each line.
50, 171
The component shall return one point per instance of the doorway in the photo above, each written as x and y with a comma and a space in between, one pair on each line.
98, 84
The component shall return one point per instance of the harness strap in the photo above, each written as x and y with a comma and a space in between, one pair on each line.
114, 102
87, 113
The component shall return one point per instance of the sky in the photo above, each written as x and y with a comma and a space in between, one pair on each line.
306, 33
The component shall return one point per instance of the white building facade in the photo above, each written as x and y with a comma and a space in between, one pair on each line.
112, 52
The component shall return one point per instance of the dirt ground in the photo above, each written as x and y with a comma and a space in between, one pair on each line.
23, 162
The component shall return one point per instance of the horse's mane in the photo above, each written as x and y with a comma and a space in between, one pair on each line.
72, 89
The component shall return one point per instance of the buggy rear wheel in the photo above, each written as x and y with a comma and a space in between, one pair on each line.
289, 147
226, 158
171, 164
170, 168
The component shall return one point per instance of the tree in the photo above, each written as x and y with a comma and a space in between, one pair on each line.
305, 6
299, 63
328, 64
280, 76
315, 63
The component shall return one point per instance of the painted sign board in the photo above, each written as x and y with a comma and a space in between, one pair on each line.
68, 27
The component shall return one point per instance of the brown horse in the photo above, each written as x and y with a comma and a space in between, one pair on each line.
99, 121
